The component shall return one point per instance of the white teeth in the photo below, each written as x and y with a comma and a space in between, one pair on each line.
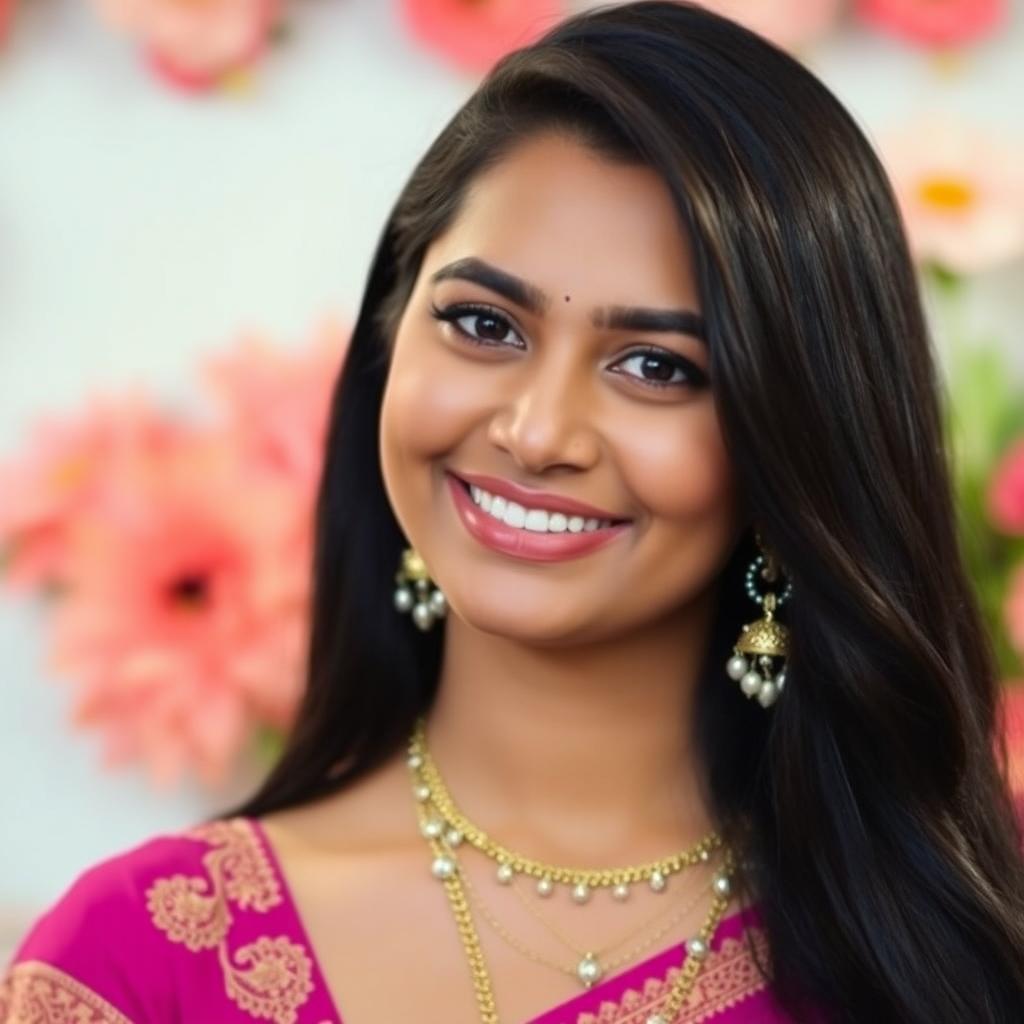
537, 520
515, 514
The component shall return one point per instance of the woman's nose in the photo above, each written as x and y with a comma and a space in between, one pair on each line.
546, 418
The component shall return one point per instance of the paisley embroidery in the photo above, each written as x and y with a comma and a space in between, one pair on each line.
37, 993
248, 877
728, 976
279, 968
185, 909
269, 978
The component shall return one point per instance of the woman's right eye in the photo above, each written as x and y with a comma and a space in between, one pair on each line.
491, 328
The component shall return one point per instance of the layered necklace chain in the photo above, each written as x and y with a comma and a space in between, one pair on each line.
590, 966
445, 828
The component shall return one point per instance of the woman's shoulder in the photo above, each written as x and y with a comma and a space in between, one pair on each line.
140, 933
149, 882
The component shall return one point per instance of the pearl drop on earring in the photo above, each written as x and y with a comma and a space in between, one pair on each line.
422, 615
737, 666
414, 592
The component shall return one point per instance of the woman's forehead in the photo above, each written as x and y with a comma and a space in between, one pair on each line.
555, 213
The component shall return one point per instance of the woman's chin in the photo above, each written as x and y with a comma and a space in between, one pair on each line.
542, 624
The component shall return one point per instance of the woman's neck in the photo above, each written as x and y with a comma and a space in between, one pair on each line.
582, 755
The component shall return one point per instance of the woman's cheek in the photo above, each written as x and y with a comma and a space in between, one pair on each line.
428, 409
430, 404
678, 469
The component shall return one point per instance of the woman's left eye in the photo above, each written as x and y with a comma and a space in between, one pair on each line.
665, 365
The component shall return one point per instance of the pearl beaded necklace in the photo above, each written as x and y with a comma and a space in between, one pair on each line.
445, 828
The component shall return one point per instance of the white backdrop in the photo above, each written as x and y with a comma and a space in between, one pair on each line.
140, 228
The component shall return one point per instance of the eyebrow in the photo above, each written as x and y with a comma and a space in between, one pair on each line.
532, 298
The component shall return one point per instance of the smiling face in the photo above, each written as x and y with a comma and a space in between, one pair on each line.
515, 359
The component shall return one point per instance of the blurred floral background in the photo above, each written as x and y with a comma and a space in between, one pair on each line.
191, 196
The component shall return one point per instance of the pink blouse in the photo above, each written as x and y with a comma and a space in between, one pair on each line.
199, 926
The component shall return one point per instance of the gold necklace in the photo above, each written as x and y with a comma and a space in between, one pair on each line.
445, 868
590, 966
447, 821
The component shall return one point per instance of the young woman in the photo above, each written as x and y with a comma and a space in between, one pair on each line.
646, 683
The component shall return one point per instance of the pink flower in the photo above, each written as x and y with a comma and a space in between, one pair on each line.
195, 44
1006, 491
43, 491
961, 192
6, 17
1013, 724
934, 22
183, 623
278, 401
787, 23
474, 34
1013, 610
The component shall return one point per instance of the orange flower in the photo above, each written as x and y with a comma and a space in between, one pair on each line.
64, 469
196, 44
961, 193
184, 619
474, 34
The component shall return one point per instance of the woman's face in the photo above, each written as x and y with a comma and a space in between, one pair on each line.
542, 386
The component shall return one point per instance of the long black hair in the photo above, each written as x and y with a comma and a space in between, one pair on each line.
871, 801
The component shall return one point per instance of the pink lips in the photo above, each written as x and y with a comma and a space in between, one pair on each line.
510, 540
533, 498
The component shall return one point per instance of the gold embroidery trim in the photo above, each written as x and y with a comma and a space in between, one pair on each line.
728, 976
269, 978
34, 992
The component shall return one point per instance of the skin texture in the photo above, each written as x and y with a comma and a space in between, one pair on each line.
563, 718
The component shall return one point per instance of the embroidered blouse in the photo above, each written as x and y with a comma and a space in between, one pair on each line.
198, 926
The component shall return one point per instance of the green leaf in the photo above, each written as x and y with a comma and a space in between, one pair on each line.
983, 416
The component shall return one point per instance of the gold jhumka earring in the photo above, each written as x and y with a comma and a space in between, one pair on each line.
416, 591
766, 641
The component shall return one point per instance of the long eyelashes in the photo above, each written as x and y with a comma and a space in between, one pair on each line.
452, 314
695, 378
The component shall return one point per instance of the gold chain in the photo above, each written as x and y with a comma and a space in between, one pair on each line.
607, 965
430, 787
697, 950
677, 916
467, 932
446, 869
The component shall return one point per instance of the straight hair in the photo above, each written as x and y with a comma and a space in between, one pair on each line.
871, 802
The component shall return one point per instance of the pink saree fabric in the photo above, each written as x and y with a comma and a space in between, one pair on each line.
199, 926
